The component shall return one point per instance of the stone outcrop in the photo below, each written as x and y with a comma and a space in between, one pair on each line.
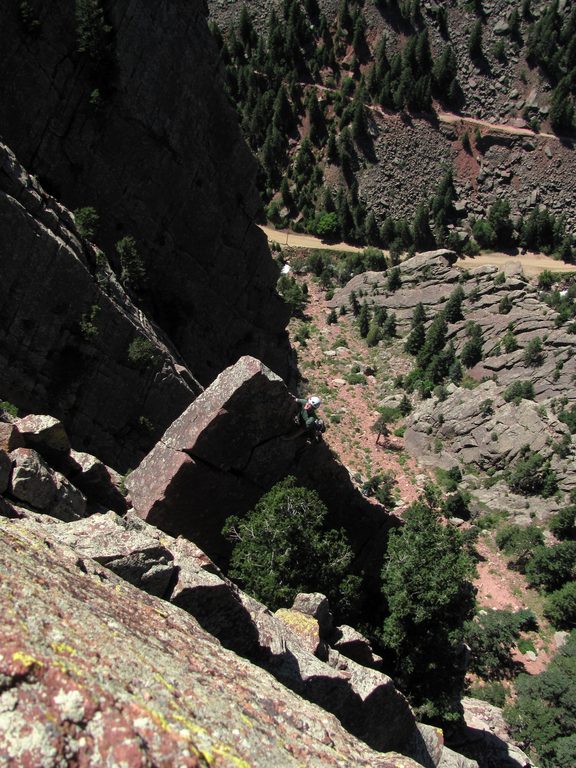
140, 128
96, 671
66, 330
227, 449
365, 701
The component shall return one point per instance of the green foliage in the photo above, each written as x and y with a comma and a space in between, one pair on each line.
543, 716
532, 475
142, 353
534, 352
8, 408
425, 582
492, 692
282, 547
28, 19
491, 638
560, 607
550, 568
484, 233
472, 349
563, 523
456, 505
364, 320
394, 279
292, 293
475, 41
88, 327
86, 221
326, 226
518, 390
519, 542
133, 269
505, 306
453, 308
92, 32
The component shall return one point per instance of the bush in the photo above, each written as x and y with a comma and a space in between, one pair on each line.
543, 717
519, 542
550, 568
560, 607
532, 475
494, 693
563, 523
282, 547
86, 221
518, 390
292, 293
133, 270
142, 353
534, 352
491, 638
456, 505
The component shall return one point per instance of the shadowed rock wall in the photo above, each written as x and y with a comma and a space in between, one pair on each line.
141, 131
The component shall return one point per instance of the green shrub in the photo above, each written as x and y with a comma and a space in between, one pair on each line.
8, 408
91, 30
534, 352
492, 692
519, 543
282, 547
86, 221
133, 270
563, 523
88, 327
518, 390
550, 568
543, 716
142, 353
532, 475
491, 637
560, 607
292, 293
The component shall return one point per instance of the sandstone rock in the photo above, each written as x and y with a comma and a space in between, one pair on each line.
307, 629
365, 701
211, 280
315, 604
69, 503
98, 482
5, 470
32, 480
44, 434
114, 675
487, 739
10, 437
52, 281
352, 644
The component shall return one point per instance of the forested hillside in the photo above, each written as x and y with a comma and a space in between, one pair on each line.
371, 121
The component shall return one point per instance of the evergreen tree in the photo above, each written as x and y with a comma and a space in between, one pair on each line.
475, 42
426, 585
472, 350
416, 338
453, 308
423, 237
91, 29
364, 320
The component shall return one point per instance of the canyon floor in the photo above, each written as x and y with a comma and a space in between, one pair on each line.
327, 360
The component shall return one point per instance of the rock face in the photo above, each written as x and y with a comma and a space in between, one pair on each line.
227, 449
95, 671
66, 330
181, 186
365, 701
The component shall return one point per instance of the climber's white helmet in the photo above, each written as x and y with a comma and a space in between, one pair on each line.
315, 402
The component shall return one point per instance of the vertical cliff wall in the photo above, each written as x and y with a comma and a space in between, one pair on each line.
127, 114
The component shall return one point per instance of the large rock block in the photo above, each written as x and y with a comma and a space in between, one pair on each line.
227, 449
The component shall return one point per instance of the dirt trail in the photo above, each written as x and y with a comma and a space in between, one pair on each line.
532, 263
297, 240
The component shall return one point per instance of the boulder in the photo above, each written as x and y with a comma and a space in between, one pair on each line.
69, 503
316, 605
32, 480
227, 449
45, 434
99, 483
352, 644
10, 437
5, 470
307, 629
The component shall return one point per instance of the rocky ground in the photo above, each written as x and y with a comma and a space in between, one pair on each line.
334, 356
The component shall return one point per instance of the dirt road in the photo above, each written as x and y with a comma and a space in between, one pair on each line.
296, 240
532, 263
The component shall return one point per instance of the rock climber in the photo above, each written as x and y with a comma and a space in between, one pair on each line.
308, 419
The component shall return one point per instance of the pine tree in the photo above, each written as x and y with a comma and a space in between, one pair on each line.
423, 237
475, 42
